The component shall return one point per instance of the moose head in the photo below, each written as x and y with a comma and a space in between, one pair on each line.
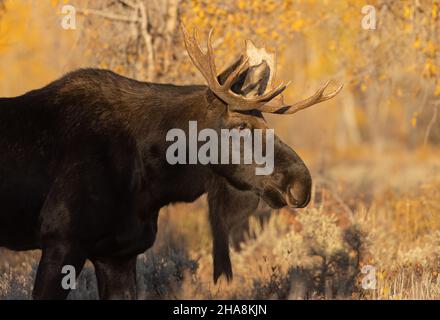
236, 99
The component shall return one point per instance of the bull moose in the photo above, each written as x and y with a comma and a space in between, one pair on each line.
83, 172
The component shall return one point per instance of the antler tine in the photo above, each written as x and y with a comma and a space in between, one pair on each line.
210, 54
203, 61
234, 74
278, 106
333, 94
274, 92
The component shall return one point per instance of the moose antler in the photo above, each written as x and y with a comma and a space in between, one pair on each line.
265, 102
206, 65
278, 106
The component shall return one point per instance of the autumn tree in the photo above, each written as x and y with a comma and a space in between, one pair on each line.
135, 37
398, 87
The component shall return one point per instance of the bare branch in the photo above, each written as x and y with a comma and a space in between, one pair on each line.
430, 125
107, 15
128, 3
148, 41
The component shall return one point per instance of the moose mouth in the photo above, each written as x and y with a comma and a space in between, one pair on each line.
277, 199
274, 197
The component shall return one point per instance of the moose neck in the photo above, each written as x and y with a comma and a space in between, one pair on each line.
160, 109
164, 107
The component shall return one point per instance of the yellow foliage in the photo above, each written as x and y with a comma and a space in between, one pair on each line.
407, 11
417, 44
430, 69
297, 25
28, 58
434, 11
414, 120
437, 89
430, 49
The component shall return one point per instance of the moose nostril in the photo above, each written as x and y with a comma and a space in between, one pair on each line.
298, 195
292, 197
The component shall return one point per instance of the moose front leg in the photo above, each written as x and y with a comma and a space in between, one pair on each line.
227, 208
116, 278
60, 247
48, 282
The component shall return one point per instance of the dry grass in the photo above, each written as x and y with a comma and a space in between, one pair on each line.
383, 211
